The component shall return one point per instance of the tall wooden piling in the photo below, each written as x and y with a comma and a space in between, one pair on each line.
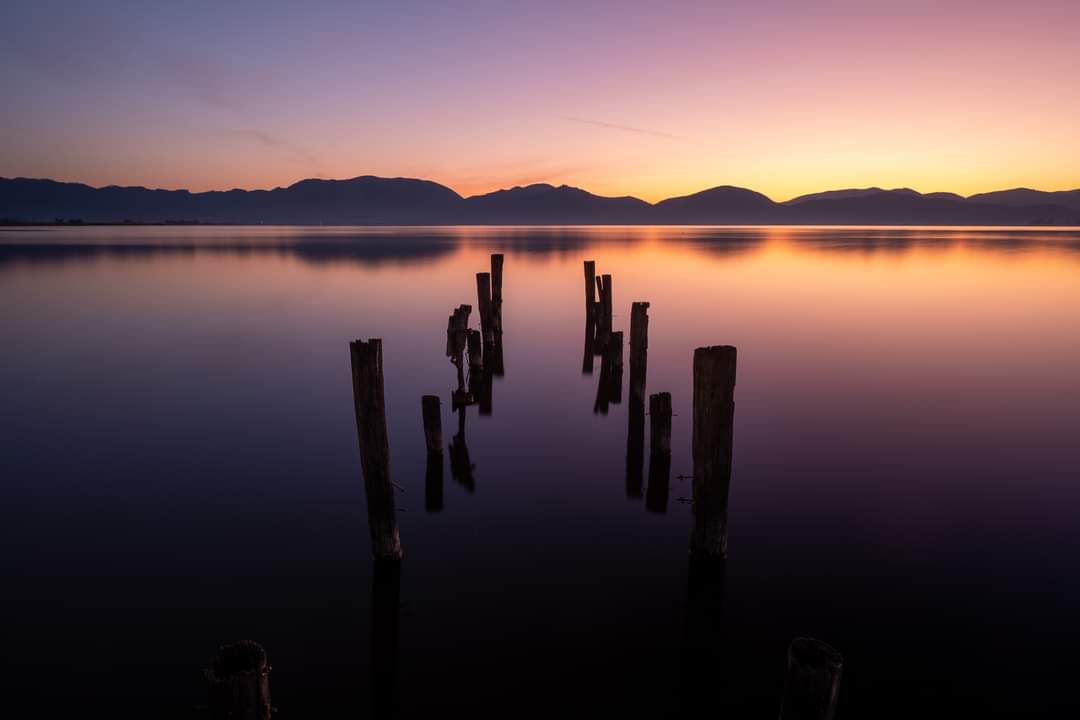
660, 423
590, 290
432, 415
604, 319
496, 292
714, 418
639, 350
813, 681
483, 298
239, 682
370, 406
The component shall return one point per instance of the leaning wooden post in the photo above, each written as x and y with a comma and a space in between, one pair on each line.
483, 297
367, 372
714, 417
476, 350
431, 413
813, 681
239, 680
496, 292
590, 290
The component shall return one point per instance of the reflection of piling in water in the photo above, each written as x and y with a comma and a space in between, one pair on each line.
483, 297
385, 618
813, 681
496, 292
461, 468
656, 497
714, 417
433, 483
239, 682
702, 635
370, 405
635, 439
609, 387
590, 345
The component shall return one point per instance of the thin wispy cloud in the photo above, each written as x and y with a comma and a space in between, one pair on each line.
624, 128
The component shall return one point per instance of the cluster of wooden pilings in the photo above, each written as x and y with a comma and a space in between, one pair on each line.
238, 673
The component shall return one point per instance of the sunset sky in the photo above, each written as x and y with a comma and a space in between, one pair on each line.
643, 98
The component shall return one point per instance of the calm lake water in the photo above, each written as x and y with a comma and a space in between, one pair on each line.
180, 468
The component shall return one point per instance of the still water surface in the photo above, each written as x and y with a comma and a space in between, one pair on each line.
180, 467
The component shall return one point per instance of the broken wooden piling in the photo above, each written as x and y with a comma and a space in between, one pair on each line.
813, 681
714, 416
370, 407
483, 298
239, 682
590, 290
496, 292
431, 413
604, 313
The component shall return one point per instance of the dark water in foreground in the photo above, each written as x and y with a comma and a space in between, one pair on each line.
179, 467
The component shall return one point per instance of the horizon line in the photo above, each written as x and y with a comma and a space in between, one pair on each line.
549, 184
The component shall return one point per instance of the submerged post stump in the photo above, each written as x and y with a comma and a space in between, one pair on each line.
590, 290
239, 680
370, 406
813, 681
714, 418
431, 413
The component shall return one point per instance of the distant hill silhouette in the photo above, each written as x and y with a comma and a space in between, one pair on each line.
369, 200
719, 206
539, 204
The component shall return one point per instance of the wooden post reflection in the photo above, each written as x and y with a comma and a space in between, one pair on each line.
635, 439
385, 618
656, 497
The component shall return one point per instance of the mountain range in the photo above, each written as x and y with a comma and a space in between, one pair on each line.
370, 200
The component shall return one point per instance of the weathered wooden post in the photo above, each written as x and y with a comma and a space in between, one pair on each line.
590, 290
239, 680
483, 297
432, 415
476, 350
660, 423
496, 292
370, 406
813, 681
604, 321
385, 620
714, 419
